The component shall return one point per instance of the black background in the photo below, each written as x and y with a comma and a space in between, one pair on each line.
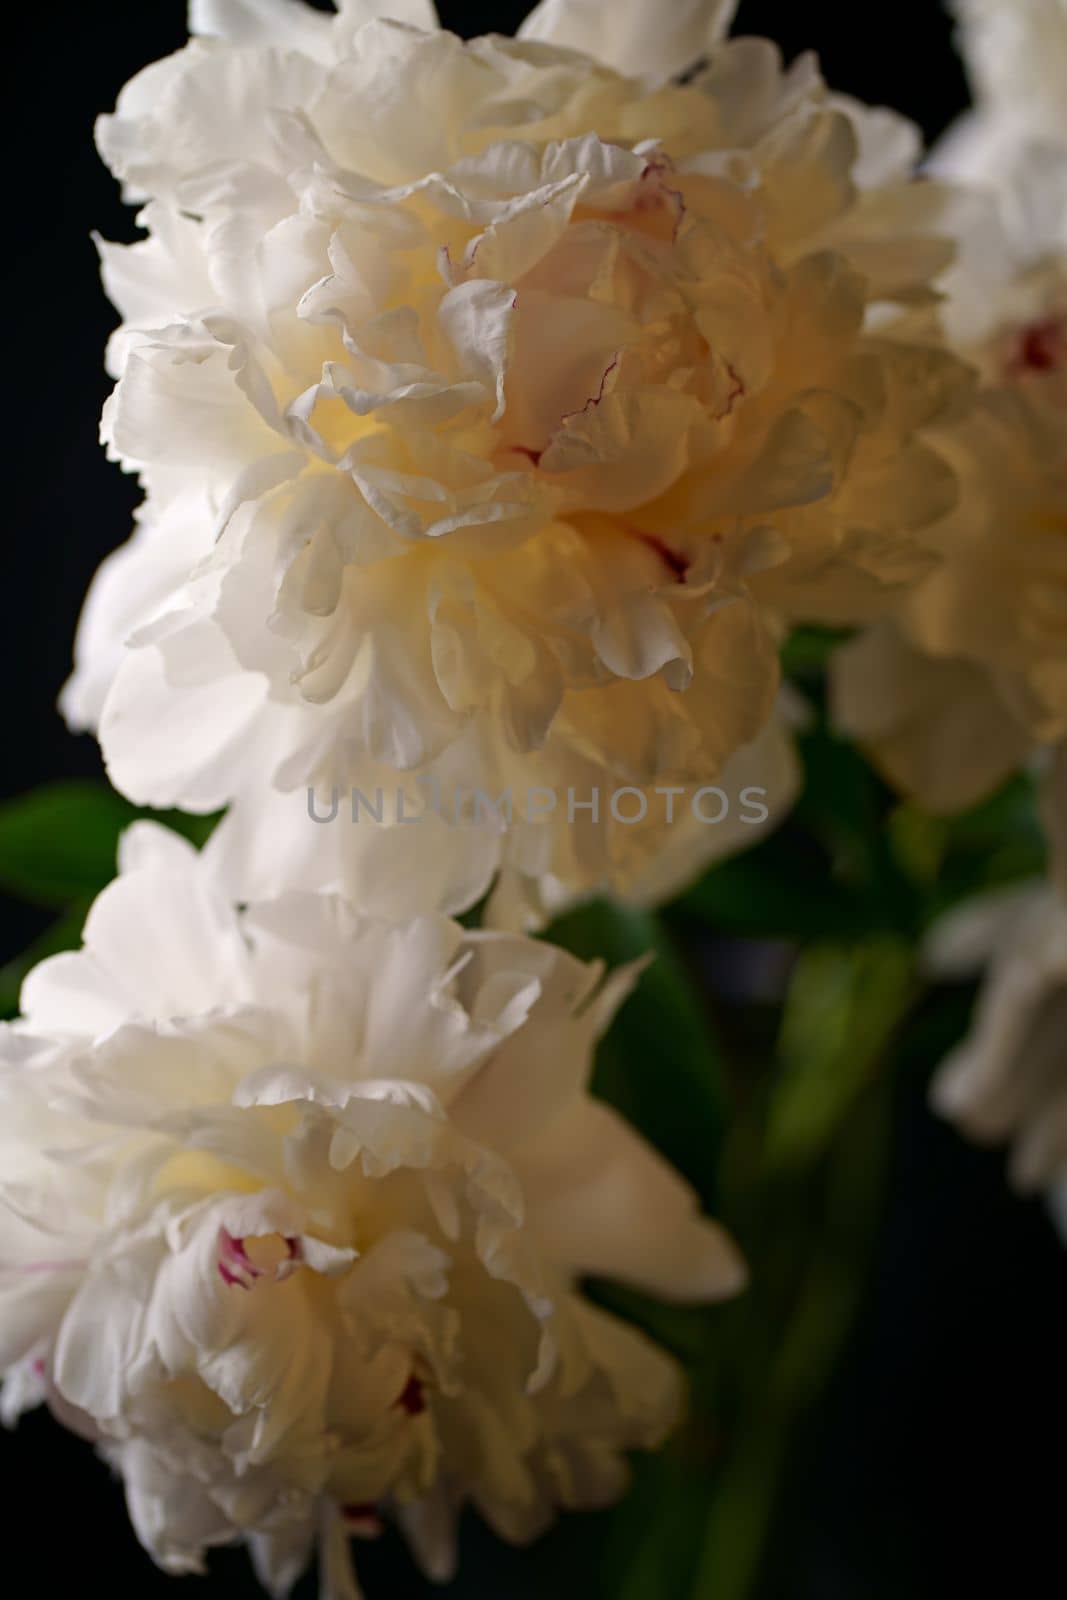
938, 1453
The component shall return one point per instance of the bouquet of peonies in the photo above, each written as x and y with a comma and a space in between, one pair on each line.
600, 494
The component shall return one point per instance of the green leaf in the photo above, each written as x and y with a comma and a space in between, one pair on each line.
58, 844
997, 843
829, 872
780, 890
197, 829
843, 802
681, 1329
659, 1065
807, 652
63, 934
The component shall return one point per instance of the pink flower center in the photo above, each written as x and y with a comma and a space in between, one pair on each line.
1039, 348
362, 1521
412, 1398
656, 202
676, 561
243, 1261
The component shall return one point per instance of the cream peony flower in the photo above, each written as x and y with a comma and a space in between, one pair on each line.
295, 1206
1008, 1080
1016, 55
970, 677
954, 695
482, 446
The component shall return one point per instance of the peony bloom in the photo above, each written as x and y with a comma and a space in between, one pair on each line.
1007, 1082
1016, 56
492, 446
968, 683
295, 1208
970, 678
954, 695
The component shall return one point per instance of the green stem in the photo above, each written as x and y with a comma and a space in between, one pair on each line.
782, 1375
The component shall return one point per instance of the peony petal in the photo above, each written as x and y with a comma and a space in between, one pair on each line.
630, 37
628, 1215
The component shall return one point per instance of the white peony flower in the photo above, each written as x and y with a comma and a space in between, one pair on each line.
495, 441
295, 1205
1016, 56
1008, 1080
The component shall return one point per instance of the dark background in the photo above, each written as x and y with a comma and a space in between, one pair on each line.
928, 1471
